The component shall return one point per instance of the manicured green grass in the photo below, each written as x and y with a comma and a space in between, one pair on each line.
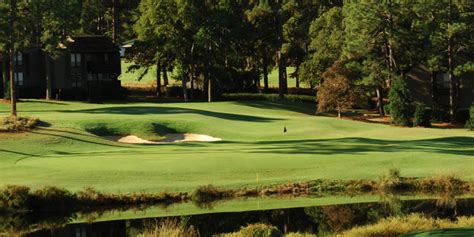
254, 150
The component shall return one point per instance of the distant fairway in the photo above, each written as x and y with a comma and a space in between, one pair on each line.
254, 150
149, 78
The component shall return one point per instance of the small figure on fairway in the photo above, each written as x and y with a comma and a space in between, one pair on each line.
285, 130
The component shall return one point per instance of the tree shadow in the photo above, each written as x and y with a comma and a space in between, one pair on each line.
449, 145
43, 102
62, 134
144, 110
299, 107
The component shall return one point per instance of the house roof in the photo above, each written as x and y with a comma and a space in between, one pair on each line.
89, 43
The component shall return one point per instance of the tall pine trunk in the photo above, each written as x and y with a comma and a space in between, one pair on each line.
265, 77
114, 21
297, 76
12, 58
191, 82
434, 103
183, 84
165, 76
4, 76
47, 63
380, 102
282, 76
209, 90
451, 77
158, 79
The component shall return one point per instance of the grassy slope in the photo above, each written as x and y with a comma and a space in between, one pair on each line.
254, 145
149, 78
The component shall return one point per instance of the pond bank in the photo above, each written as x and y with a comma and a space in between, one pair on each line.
21, 198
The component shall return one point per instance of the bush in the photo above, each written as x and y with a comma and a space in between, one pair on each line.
470, 122
400, 103
267, 97
52, 197
390, 181
256, 230
422, 116
208, 193
440, 114
386, 108
14, 198
442, 183
15, 124
462, 115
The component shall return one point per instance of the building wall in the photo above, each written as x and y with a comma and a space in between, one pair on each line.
466, 92
420, 86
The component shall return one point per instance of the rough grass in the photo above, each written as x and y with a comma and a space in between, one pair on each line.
396, 226
255, 230
254, 152
171, 227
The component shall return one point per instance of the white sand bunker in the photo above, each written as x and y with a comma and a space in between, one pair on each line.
170, 138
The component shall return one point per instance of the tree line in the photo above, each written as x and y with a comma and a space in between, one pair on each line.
344, 49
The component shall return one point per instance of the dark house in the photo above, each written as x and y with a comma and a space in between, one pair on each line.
433, 89
88, 67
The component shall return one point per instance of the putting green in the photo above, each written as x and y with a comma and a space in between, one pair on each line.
66, 151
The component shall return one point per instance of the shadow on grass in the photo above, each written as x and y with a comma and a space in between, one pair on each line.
299, 107
71, 136
16, 152
54, 102
448, 145
155, 110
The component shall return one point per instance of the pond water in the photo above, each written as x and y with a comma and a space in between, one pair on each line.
306, 214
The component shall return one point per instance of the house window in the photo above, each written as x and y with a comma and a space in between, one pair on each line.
19, 79
442, 80
76, 79
75, 59
18, 59
99, 77
104, 76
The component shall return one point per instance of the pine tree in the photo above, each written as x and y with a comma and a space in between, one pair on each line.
401, 106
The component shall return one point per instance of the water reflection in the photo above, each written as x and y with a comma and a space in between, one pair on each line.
318, 219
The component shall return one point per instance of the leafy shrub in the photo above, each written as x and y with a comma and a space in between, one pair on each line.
422, 116
442, 183
386, 108
470, 122
256, 230
13, 124
440, 114
14, 197
53, 197
462, 115
208, 193
267, 97
400, 103
174, 91
390, 181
